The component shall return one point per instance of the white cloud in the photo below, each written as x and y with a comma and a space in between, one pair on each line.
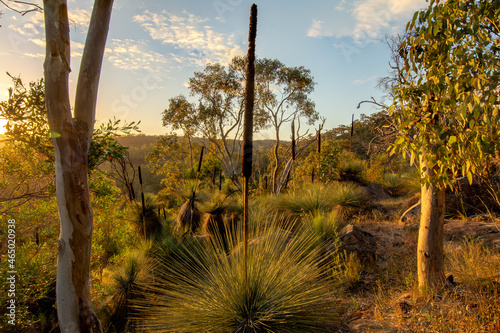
341, 6
376, 17
79, 18
132, 55
38, 42
76, 49
368, 20
31, 27
315, 29
197, 41
35, 55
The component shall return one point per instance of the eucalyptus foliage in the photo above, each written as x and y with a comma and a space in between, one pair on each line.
446, 102
27, 123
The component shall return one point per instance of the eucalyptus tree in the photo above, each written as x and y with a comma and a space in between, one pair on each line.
281, 94
446, 108
72, 135
217, 117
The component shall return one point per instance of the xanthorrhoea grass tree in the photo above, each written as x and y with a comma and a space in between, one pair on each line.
199, 288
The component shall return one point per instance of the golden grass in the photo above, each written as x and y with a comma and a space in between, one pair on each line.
471, 305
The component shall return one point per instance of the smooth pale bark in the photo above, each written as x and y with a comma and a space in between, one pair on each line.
430, 249
72, 137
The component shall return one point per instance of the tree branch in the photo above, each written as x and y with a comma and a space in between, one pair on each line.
90, 68
35, 7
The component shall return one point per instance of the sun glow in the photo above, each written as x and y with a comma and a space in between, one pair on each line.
3, 122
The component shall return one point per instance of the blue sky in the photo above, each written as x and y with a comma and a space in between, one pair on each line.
154, 47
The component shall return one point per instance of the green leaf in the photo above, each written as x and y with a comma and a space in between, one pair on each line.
435, 29
399, 140
54, 134
412, 158
469, 177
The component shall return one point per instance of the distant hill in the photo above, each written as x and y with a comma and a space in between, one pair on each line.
143, 141
137, 140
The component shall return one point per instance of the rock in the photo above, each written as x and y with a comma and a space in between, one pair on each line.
457, 230
404, 303
377, 191
487, 233
411, 214
355, 240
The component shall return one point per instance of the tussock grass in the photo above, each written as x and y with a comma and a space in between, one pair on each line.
325, 225
201, 289
351, 169
348, 195
308, 200
315, 198
125, 288
152, 222
402, 184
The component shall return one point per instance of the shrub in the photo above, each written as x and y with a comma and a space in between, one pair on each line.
151, 226
124, 289
220, 216
189, 217
348, 195
310, 199
204, 290
351, 168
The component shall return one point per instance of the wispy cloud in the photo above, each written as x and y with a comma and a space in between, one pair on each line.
191, 34
33, 25
316, 29
132, 55
341, 6
31, 31
365, 80
79, 19
367, 20
374, 18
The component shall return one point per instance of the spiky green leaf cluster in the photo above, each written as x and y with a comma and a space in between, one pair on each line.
202, 289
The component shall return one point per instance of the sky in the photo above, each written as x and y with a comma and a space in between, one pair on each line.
154, 47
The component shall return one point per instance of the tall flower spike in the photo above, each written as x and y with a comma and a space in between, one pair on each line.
201, 159
246, 167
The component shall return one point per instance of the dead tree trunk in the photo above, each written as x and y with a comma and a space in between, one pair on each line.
72, 136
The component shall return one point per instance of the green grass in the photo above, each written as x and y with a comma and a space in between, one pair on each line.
351, 169
310, 199
348, 195
124, 289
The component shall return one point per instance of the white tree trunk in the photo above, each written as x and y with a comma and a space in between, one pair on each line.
72, 137
430, 256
